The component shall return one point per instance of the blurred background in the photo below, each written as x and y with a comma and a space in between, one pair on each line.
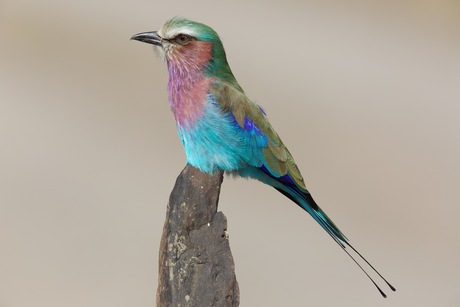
366, 95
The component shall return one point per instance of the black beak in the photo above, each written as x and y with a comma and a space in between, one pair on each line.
148, 37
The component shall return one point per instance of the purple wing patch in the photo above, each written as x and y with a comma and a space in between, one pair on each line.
285, 179
250, 126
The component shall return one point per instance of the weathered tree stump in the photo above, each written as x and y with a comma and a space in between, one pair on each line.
196, 266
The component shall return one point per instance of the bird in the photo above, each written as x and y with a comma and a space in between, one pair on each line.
221, 128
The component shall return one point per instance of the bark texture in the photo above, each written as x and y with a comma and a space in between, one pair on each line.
196, 265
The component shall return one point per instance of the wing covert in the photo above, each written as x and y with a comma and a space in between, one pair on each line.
267, 145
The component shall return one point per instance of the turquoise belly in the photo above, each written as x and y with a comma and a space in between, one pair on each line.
217, 142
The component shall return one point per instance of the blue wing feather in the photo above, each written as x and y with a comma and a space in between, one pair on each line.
255, 150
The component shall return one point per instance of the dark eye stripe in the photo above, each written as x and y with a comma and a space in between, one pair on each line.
180, 39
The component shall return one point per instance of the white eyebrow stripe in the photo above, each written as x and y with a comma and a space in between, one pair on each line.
168, 34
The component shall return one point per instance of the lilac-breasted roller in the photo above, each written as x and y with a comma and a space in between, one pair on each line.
220, 127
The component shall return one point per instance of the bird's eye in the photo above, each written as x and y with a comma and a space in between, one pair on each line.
183, 39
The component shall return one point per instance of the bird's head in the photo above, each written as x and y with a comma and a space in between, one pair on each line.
189, 45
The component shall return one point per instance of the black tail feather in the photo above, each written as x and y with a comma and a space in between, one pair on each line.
333, 231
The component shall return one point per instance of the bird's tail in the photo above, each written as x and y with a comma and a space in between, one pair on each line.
306, 202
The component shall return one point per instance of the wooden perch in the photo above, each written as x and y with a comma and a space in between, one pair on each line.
196, 266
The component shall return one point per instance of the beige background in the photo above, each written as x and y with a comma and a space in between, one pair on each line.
365, 94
